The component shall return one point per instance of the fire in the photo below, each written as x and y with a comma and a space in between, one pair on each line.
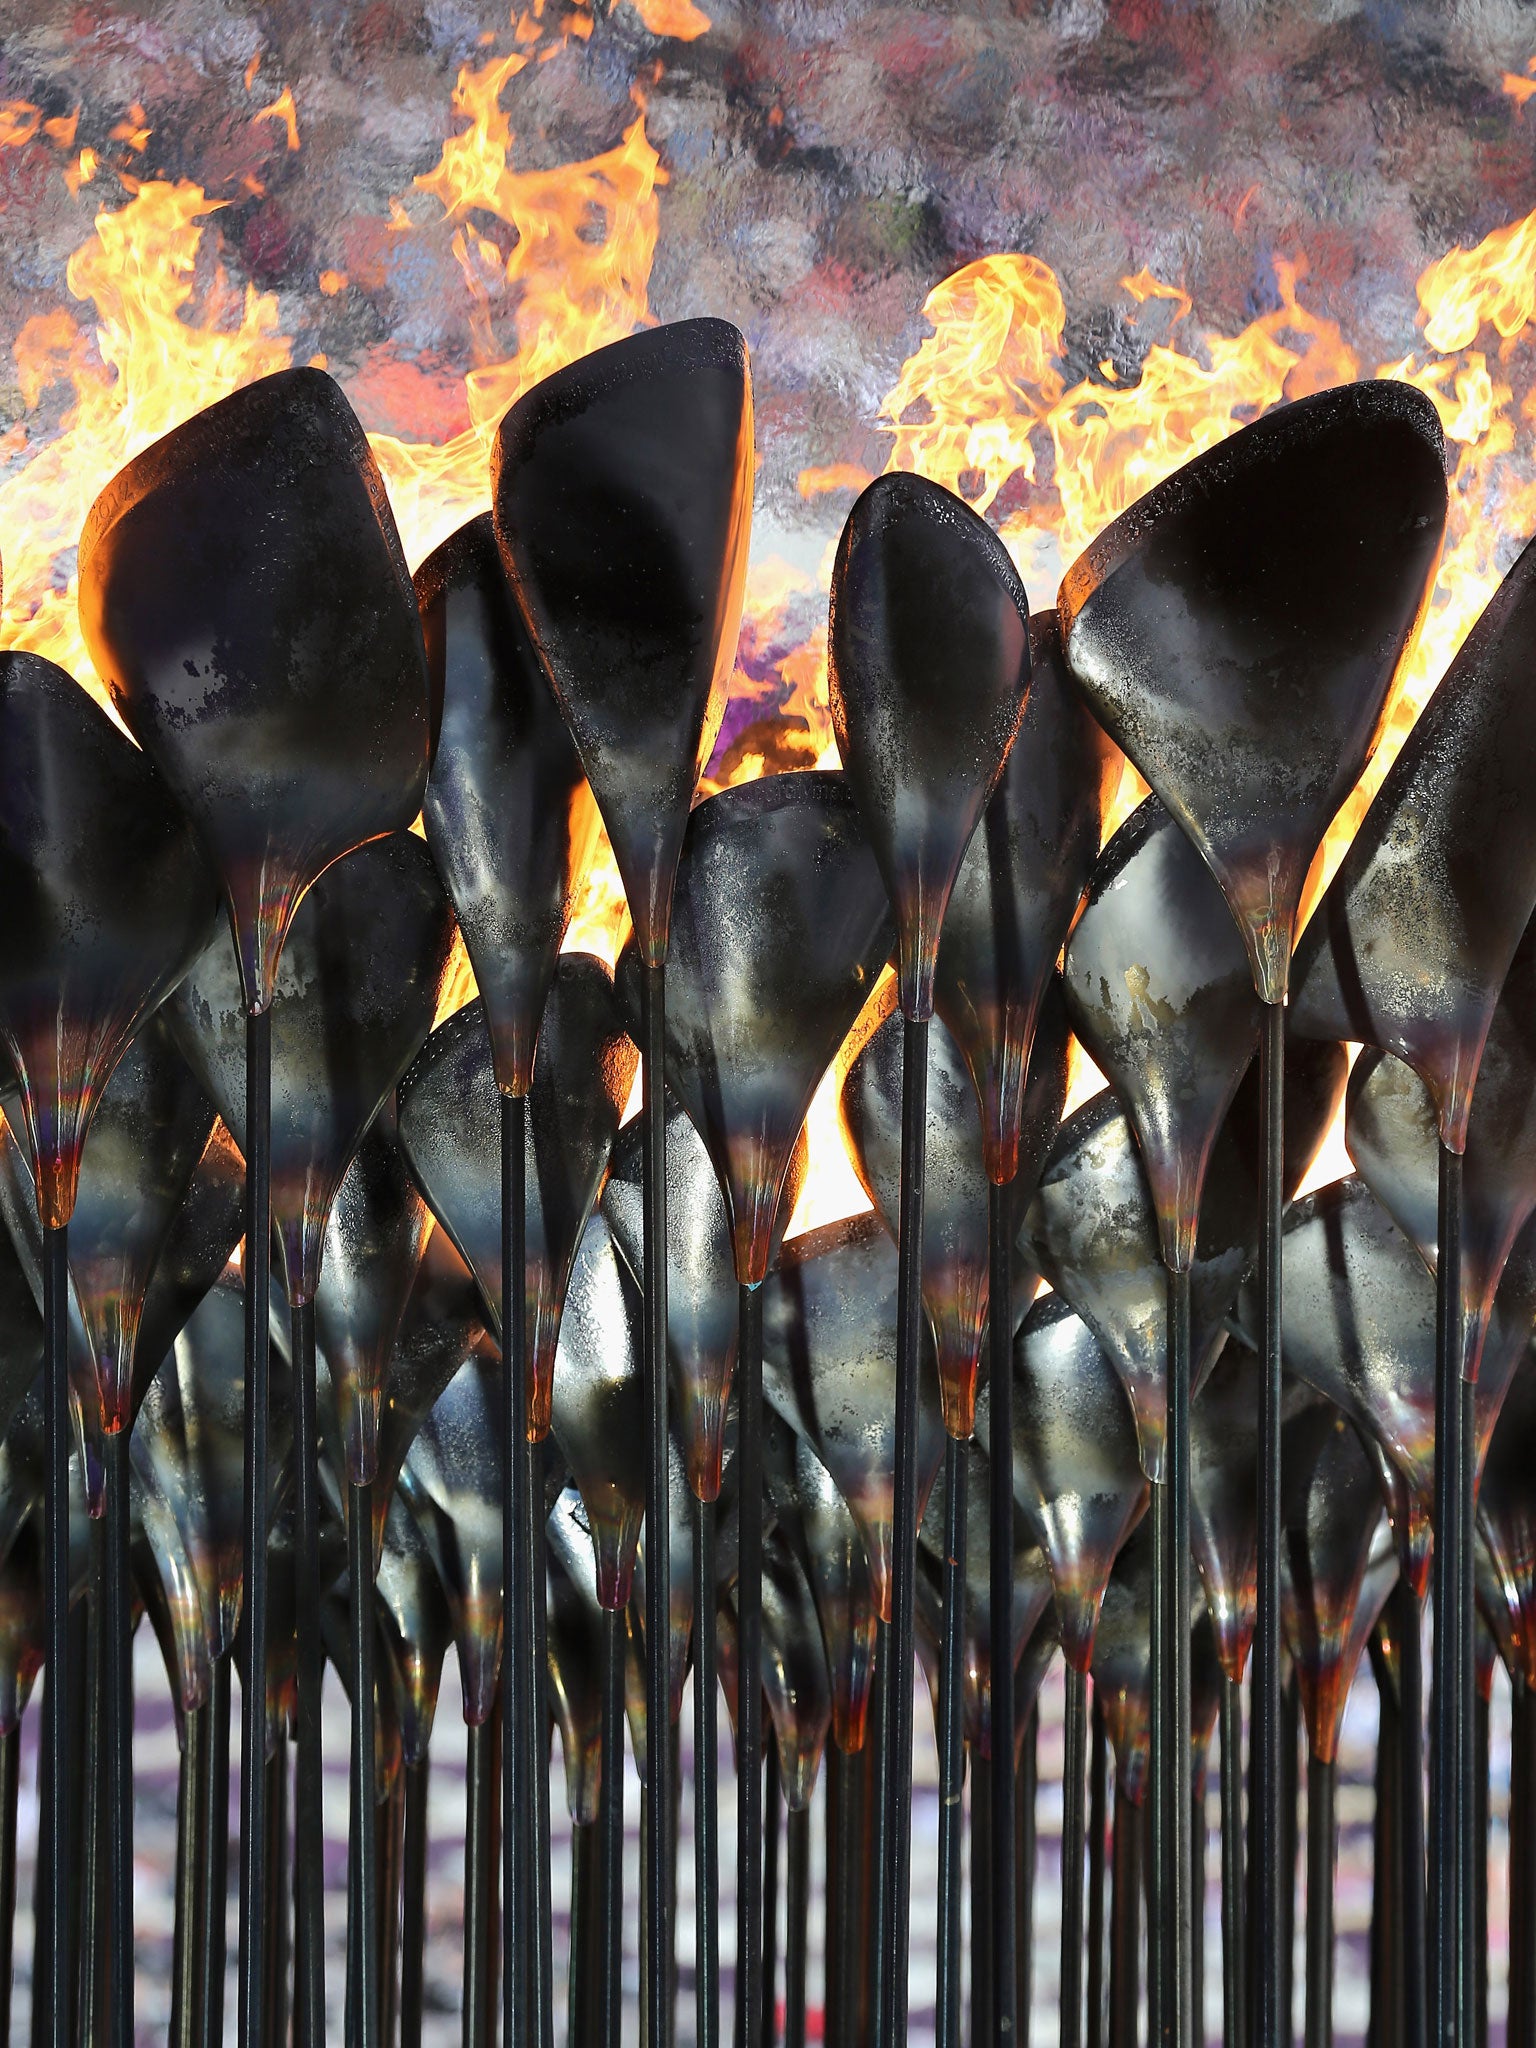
557, 262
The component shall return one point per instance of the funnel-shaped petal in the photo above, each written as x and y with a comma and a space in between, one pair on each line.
955, 1204
196, 1248
1331, 1516
927, 669
1238, 628
244, 595
829, 1369
1224, 1500
1122, 1663
623, 496
108, 901
1158, 989
1506, 1514
452, 1482
1018, 889
1076, 1473
844, 1592
450, 1126
1093, 1232
680, 1585
360, 979
576, 1629
509, 818
413, 1613
779, 933
599, 1406
373, 1245
795, 1678
1411, 943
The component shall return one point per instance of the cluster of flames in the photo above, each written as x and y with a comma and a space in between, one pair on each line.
982, 406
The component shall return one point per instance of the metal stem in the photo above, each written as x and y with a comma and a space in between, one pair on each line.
1448, 1792
1199, 1837
770, 1892
1474, 1843
254, 1875
1271, 1883
413, 1902
797, 1912
706, 1789
983, 1870
1125, 1921
874, 1990
1026, 1781
1322, 1848
118, 1649
582, 2015
1074, 1763
1480, 1756
658, 1504
1410, 1925
389, 1910
1158, 1787
749, 1659
54, 1988
951, 1732
610, 1824
1177, 1928
1384, 2027
834, 1919
897, 1868
309, 1770
10, 1769
1098, 1830
365, 1811
479, 1885
91, 1899
1004, 1957
516, 1741
277, 1863
186, 1946
1521, 2031
541, 1736
1234, 2003
1290, 1797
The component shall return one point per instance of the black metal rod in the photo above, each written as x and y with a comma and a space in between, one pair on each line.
1005, 2002
983, 1873
91, 1894
186, 1946
1199, 1839
1447, 1789
57, 1906
1270, 1881
582, 2014
1474, 1842
1322, 1847
897, 1867
1480, 1766
770, 1892
1098, 1831
749, 1642
365, 1810
706, 1785
390, 1863
610, 1825
658, 1503
1384, 2026
835, 1917
1177, 1927
951, 1733
1412, 1934
1155, 1818
413, 1902
277, 1918
1234, 2003
479, 2029
254, 1875
1125, 1921
877, 1977
10, 1768
797, 1917
1521, 2031
1073, 1844
1026, 1783
77, 1723
309, 1770
118, 1651
516, 1736
541, 1734
1290, 1844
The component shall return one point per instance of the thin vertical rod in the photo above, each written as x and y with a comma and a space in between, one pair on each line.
1521, 2031
1004, 1957
1322, 1848
1234, 2004
1026, 1783
1178, 1930
909, 1328
875, 1978
1384, 2026
1271, 1883
1199, 1841
1125, 1922
983, 1870
1073, 1830
516, 1742
1480, 1766
541, 1732
771, 1831
309, 1771
1290, 1798
277, 1919
656, 1935
479, 1913
1474, 1842
582, 2015
10, 1768
749, 1639
1448, 1790
706, 1772
413, 1902
186, 1945
1410, 1934
365, 1809
1098, 1827
610, 1825
91, 1901
389, 1911
56, 1815
797, 1914
951, 1747
1156, 1802
77, 1726
254, 1875
836, 1817
118, 1651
